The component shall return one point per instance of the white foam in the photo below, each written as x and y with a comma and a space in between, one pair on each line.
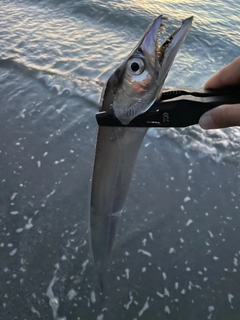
13, 252
167, 310
93, 297
145, 307
230, 297
71, 294
146, 253
190, 221
127, 305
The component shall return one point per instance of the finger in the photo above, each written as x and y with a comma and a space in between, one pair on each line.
227, 115
228, 76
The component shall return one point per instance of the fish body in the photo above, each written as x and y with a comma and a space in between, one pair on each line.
116, 151
131, 90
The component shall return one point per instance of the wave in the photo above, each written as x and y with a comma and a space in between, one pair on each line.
219, 145
10, 63
84, 87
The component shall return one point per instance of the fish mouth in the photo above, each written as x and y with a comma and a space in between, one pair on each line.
169, 49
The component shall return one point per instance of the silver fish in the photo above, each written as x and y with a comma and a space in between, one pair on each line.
130, 91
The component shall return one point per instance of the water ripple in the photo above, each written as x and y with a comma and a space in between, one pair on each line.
72, 47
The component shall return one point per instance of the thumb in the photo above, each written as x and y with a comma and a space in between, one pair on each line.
227, 115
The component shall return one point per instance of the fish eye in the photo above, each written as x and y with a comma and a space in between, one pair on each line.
136, 66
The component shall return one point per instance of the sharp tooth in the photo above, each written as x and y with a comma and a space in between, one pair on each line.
163, 27
165, 18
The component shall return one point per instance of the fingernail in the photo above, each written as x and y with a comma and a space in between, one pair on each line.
206, 122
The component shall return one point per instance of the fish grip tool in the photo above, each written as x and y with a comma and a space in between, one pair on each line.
176, 108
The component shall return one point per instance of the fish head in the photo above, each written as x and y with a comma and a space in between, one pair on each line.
136, 84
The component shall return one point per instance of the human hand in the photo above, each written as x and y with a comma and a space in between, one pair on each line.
225, 115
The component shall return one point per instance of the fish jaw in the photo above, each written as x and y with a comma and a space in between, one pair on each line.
136, 84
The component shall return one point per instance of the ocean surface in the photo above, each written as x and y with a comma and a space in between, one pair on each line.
177, 252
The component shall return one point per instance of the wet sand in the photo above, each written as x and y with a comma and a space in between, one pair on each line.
177, 251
